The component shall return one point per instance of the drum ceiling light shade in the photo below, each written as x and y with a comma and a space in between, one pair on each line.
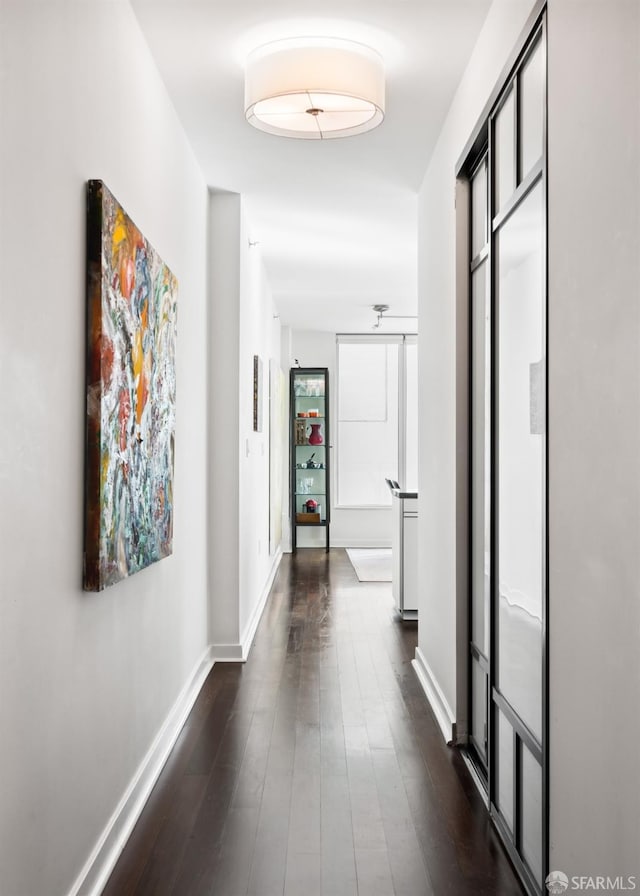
314, 88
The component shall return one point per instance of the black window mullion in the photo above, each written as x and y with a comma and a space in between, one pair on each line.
517, 791
518, 725
493, 483
516, 127
545, 614
522, 190
475, 654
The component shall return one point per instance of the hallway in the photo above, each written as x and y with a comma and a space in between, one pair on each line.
316, 767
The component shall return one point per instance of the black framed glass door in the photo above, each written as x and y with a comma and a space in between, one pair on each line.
480, 467
506, 176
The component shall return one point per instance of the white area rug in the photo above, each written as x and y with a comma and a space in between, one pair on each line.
371, 564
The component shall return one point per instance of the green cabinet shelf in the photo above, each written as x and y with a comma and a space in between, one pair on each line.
309, 449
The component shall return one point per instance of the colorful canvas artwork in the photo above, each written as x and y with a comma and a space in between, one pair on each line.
131, 336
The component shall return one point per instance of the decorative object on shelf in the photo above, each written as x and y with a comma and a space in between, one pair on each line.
308, 518
314, 88
257, 393
130, 375
311, 505
305, 485
300, 432
316, 436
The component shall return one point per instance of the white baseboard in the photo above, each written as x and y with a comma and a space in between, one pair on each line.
227, 653
250, 628
437, 700
101, 862
238, 653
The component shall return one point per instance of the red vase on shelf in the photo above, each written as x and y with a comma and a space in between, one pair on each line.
316, 436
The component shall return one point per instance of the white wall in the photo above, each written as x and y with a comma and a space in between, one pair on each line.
224, 421
594, 434
437, 357
286, 362
349, 528
259, 335
243, 323
86, 680
594, 426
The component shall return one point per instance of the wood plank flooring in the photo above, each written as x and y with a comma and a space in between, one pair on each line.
316, 768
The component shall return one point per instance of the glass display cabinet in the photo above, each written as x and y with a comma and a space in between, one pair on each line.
309, 440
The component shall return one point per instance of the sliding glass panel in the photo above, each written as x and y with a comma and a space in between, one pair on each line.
504, 768
479, 708
521, 452
480, 459
507, 458
505, 151
479, 233
532, 88
532, 813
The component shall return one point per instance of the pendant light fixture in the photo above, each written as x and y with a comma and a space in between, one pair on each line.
314, 88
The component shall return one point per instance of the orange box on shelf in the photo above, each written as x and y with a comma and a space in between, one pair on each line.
307, 517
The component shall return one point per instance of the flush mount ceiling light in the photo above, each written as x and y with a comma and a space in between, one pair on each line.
314, 88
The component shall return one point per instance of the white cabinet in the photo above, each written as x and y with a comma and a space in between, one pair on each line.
405, 552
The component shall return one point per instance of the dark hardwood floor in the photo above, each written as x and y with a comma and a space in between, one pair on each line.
316, 768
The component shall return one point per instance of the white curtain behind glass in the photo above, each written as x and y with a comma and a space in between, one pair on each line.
367, 437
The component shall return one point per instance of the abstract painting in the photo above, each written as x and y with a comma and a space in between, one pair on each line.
130, 413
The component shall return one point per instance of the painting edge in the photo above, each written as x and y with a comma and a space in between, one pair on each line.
93, 389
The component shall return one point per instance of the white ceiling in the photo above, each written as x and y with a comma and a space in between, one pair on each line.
335, 220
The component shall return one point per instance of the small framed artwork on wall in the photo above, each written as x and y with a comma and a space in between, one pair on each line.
257, 394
